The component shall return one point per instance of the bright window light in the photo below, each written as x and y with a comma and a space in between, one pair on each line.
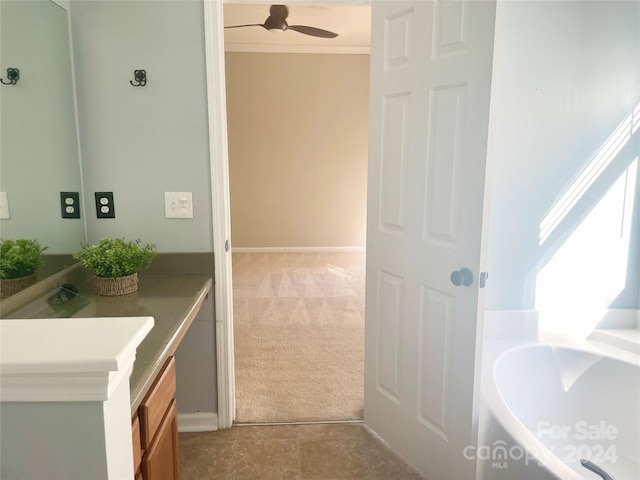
576, 287
603, 157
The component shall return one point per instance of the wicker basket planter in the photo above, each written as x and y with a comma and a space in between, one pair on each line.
111, 287
11, 286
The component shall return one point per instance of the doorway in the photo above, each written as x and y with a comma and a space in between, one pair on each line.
454, 113
298, 150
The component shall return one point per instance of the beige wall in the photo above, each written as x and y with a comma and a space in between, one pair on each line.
297, 149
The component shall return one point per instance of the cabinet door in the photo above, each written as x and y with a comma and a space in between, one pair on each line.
160, 461
157, 401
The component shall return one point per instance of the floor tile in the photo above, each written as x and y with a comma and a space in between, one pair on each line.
384, 463
266, 460
330, 430
208, 461
338, 458
192, 438
270, 432
291, 452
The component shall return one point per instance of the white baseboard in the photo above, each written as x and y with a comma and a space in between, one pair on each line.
198, 422
298, 249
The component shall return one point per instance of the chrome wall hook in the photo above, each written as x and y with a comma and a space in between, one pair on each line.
13, 74
140, 77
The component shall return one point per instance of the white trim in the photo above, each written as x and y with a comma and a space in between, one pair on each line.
54, 387
198, 422
66, 4
299, 249
216, 100
63, 3
218, 158
279, 48
102, 360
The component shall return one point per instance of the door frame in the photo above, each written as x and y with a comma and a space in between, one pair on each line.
221, 205
221, 209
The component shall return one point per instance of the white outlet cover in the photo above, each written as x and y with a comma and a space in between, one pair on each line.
178, 205
4, 206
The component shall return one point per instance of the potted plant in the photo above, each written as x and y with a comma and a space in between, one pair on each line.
19, 260
115, 263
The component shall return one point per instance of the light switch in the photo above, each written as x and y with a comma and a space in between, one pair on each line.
178, 205
4, 206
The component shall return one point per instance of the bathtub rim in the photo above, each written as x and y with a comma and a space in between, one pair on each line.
519, 433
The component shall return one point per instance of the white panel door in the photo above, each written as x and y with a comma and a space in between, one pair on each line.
431, 65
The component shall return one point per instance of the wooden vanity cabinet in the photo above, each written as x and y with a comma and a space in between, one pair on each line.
158, 429
137, 447
160, 462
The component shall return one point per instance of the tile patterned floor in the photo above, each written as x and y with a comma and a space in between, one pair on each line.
290, 452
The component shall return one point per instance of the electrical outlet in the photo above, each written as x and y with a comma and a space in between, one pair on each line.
70, 204
104, 205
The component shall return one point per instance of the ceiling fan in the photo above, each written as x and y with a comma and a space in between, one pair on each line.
277, 21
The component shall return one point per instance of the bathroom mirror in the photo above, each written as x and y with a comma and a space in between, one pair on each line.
38, 128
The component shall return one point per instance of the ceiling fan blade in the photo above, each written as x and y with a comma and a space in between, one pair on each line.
247, 25
313, 31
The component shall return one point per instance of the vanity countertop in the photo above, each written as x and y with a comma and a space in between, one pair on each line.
172, 300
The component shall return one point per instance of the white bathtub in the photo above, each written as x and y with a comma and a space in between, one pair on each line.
546, 407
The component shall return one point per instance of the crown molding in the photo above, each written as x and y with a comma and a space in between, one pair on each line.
279, 48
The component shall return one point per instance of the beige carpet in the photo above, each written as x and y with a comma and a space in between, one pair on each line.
299, 336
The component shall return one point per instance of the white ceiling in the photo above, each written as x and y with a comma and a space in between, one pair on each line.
352, 23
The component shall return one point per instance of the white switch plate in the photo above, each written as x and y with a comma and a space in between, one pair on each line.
178, 205
4, 206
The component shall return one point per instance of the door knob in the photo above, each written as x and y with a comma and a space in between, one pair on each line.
464, 276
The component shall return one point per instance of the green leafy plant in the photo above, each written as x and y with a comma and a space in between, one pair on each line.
116, 257
20, 258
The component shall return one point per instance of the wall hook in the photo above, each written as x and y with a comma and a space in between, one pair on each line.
13, 74
140, 77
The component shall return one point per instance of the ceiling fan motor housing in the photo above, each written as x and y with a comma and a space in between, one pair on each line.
277, 21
